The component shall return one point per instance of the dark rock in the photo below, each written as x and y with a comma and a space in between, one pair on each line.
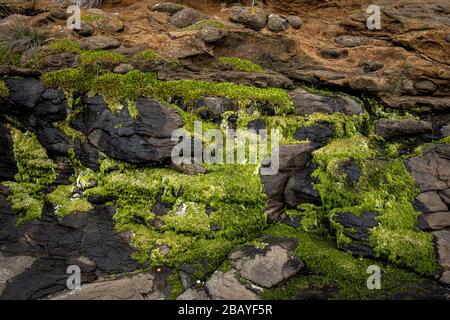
139, 141
318, 293
51, 106
99, 199
429, 202
295, 21
186, 17
23, 92
396, 128
318, 133
54, 140
58, 13
86, 30
293, 221
169, 7
357, 248
445, 196
425, 87
99, 43
256, 125
359, 225
161, 208
306, 103
373, 66
445, 131
293, 156
211, 34
299, 189
333, 54
352, 170
442, 240
8, 166
252, 17
212, 107
276, 23
194, 294
269, 266
216, 227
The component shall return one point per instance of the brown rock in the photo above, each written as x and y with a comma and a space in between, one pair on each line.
434, 221
225, 286
396, 128
429, 202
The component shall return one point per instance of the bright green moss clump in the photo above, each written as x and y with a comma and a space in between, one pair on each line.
94, 60
134, 84
88, 18
36, 172
65, 203
241, 64
228, 198
4, 92
330, 267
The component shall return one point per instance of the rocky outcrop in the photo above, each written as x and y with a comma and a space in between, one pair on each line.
399, 128
8, 167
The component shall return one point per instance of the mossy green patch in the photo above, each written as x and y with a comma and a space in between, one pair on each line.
96, 60
89, 18
65, 203
241, 64
4, 92
35, 172
329, 267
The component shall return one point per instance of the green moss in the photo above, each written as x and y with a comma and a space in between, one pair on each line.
4, 92
35, 172
89, 18
96, 60
63, 45
241, 64
8, 57
114, 87
64, 202
176, 286
154, 57
329, 267
206, 23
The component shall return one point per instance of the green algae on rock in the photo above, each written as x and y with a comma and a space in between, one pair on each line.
241, 64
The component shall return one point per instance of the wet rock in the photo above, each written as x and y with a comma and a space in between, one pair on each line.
276, 23
425, 87
86, 30
99, 43
210, 108
123, 68
110, 24
333, 54
318, 133
269, 266
352, 41
434, 221
397, 128
211, 34
225, 286
186, 17
194, 294
358, 226
295, 21
169, 7
54, 140
140, 141
24, 92
306, 103
8, 166
429, 202
373, 66
252, 17
144, 286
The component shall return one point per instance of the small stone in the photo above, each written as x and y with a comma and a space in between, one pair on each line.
123, 68
425, 86
99, 43
110, 24
186, 17
434, 221
211, 34
167, 7
352, 41
295, 21
225, 286
86, 30
190, 168
276, 23
429, 202
252, 17
58, 13
373, 66
333, 54
164, 250
448, 38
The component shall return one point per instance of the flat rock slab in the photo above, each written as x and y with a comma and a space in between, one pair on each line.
269, 266
225, 286
398, 128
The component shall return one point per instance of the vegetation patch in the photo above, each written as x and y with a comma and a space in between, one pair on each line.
66, 202
241, 64
4, 92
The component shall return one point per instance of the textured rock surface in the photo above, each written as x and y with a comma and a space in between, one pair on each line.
252, 17
225, 286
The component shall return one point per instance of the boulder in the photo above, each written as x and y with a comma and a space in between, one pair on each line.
445, 196
186, 17
211, 34
252, 17
110, 24
276, 23
99, 43
307, 103
225, 286
397, 128
86, 30
295, 21
58, 13
169, 7
139, 141
269, 266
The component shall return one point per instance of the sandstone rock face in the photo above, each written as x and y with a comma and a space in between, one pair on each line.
397, 128
307, 103
269, 266
143, 286
225, 286
252, 17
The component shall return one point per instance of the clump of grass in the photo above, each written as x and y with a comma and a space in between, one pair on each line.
63, 45
241, 64
4, 92
206, 23
18, 37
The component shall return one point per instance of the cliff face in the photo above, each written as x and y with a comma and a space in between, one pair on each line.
87, 177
